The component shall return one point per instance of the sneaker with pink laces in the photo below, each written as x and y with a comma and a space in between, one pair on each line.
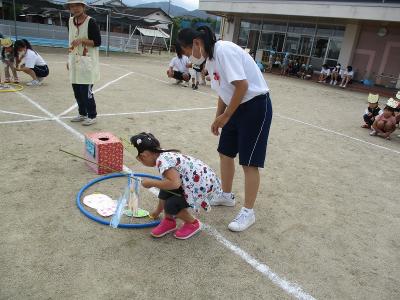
166, 226
187, 230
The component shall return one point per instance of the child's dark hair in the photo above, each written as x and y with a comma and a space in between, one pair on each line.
389, 108
349, 68
21, 44
147, 141
187, 35
325, 66
178, 50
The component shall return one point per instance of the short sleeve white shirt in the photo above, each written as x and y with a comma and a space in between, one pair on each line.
180, 64
326, 71
33, 59
347, 73
231, 63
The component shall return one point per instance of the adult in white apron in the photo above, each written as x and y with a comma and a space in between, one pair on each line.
244, 113
83, 60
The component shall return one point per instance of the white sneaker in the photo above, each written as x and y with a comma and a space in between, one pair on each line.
177, 82
225, 199
331, 82
373, 133
78, 118
243, 220
89, 121
335, 83
33, 83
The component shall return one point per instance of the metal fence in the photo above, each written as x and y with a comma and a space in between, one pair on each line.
57, 36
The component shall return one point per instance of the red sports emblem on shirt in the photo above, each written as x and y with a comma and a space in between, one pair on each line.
216, 76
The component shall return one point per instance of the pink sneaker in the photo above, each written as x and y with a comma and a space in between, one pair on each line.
187, 230
166, 226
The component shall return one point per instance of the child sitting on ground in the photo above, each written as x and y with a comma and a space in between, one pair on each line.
325, 73
347, 76
179, 66
336, 74
385, 124
372, 111
7, 57
186, 182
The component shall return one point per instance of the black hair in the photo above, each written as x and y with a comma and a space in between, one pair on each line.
21, 44
349, 68
187, 35
389, 108
178, 50
147, 141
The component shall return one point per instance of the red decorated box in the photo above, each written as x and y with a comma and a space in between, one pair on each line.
104, 149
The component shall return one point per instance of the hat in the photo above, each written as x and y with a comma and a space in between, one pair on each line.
398, 95
6, 42
392, 103
145, 141
373, 98
74, 2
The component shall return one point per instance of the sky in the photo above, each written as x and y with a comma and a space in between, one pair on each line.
188, 4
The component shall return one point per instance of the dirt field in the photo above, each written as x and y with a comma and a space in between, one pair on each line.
328, 212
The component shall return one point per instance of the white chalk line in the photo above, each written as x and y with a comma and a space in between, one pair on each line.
20, 114
26, 121
286, 286
53, 117
338, 133
115, 114
287, 118
289, 287
148, 112
94, 92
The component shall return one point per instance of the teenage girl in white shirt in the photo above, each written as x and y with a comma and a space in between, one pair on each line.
34, 65
244, 113
179, 66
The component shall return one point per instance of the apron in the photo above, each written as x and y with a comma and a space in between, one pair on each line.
83, 61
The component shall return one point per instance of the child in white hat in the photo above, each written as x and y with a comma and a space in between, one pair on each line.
372, 111
385, 124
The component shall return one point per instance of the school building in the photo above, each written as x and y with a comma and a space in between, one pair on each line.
362, 33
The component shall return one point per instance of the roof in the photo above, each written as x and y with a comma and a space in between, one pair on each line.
153, 33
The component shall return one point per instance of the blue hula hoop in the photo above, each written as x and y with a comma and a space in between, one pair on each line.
102, 221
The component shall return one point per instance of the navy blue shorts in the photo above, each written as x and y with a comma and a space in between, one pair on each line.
247, 132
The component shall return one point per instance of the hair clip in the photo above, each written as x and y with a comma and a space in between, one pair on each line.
138, 141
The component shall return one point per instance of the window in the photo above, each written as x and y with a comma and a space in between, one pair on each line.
272, 26
277, 42
266, 40
308, 29
292, 43
334, 49
320, 47
305, 45
243, 34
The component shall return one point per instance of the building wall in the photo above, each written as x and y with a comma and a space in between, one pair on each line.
375, 55
327, 9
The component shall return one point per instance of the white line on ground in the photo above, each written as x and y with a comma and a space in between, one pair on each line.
20, 114
25, 121
149, 112
53, 117
338, 133
286, 286
287, 118
290, 288
94, 92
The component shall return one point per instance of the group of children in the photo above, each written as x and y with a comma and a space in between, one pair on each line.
181, 69
382, 122
336, 75
19, 56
